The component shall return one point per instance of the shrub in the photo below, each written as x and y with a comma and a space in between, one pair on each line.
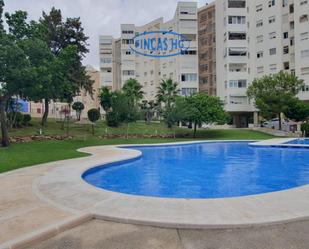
93, 115
112, 119
305, 129
26, 119
18, 119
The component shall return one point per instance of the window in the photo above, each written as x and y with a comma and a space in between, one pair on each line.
237, 83
237, 67
188, 52
237, 51
272, 35
271, 3
306, 87
286, 65
285, 49
128, 72
259, 23
106, 60
291, 8
292, 25
260, 54
292, 41
285, 35
237, 36
304, 36
188, 91
272, 19
273, 68
304, 53
260, 69
238, 100
259, 8
237, 20
303, 2
285, 3
189, 77
127, 32
304, 70
272, 51
259, 38
303, 18
127, 41
236, 4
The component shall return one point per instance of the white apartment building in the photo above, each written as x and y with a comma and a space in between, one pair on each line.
232, 54
119, 63
259, 37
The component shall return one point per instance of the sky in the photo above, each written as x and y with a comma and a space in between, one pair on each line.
101, 17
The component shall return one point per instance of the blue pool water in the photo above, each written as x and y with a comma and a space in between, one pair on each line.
299, 141
205, 170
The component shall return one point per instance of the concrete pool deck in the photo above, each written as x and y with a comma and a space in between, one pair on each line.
52, 197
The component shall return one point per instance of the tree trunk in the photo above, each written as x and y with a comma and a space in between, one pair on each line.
280, 122
4, 129
46, 112
92, 129
194, 133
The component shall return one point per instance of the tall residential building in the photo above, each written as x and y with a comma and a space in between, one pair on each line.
233, 59
119, 63
207, 49
254, 38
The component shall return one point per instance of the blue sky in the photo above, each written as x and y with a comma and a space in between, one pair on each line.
101, 16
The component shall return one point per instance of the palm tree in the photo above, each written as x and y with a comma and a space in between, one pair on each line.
105, 98
167, 92
133, 90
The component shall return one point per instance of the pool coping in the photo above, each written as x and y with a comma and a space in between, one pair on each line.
64, 188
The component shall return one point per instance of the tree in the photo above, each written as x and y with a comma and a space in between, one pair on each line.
16, 75
297, 110
133, 90
201, 108
167, 92
60, 35
166, 96
93, 115
78, 107
105, 98
273, 93
148, 110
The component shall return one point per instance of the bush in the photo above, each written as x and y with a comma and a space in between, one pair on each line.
26, 119
18, 119
93, 115
112, 119
305, 129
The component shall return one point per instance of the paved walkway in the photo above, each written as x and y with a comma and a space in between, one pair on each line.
21, 211
106, 235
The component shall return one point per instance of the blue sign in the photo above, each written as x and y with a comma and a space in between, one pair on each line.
160, 44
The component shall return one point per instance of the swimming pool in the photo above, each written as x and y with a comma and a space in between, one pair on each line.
204, 170
299, 141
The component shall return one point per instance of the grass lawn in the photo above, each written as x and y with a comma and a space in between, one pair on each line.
26, 154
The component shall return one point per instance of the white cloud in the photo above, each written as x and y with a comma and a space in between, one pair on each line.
100, 16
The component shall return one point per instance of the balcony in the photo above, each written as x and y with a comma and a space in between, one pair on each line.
237, 51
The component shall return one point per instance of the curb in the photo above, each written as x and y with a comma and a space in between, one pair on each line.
47, 232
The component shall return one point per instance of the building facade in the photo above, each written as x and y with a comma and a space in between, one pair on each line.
254, 38
149, 71
207, 49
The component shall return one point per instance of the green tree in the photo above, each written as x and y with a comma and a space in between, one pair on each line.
59, 35
201, 108
93, 115
133, 90
105, 98
148, 110
16, 75
273, 93
167, 92
297, 110
78, 107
